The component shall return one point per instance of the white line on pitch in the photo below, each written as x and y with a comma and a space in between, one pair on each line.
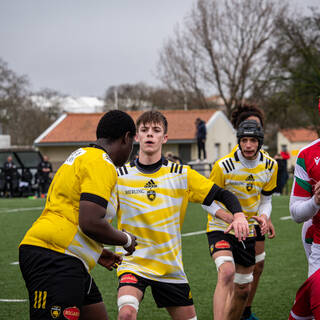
193, 233
13, 300
286, 218
22, 209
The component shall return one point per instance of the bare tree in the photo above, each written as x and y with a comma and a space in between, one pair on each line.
141, 96
222, 48
297, 75
20, 116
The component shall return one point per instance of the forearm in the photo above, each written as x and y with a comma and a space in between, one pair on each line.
216, 211
229, 200
224, 215
93, 223
302, 209
265, 206
105, 233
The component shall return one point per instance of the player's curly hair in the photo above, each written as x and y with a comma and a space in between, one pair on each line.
153, 116
114, 124
243, 111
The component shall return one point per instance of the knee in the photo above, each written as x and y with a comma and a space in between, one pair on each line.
127, 313
242, 285
226, 273
242, 291
258, 268
128, 307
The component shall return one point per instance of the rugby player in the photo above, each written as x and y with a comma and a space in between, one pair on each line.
66, 241
251, 175
153, 196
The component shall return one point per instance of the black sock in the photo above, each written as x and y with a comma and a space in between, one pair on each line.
247, 312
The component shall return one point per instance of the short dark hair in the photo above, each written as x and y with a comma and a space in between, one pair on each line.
114, 124
153, 116
243, 111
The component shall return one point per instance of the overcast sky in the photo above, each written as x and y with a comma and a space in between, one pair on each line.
81, 47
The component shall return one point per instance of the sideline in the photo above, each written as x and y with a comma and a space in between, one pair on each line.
286, 218
193, 233
21, 209
13, 300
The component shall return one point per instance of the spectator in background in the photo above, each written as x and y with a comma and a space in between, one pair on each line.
26, 183
201, 138
282, 160
284, 153
2, 183
11, 177
44, 170
171, 157
282, 176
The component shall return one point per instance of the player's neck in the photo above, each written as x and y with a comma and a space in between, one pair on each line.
248, 163
148, 159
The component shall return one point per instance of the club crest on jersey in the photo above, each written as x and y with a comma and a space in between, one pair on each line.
249, 180
55, 312
316, 160
71, 313
151, 194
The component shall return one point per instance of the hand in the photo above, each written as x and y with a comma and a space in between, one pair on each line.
132, 247
109, 259
316, 192
271, 230
263, 222
240, 226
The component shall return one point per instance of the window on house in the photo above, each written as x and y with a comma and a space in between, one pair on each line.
185, 152
217, 150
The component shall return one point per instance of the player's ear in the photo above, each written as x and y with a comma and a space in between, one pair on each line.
127, 138
165, 138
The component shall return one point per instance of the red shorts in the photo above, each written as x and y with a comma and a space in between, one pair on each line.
307, 303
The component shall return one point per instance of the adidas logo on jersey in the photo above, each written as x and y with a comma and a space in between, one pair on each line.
150, 184
250, 178
316, 160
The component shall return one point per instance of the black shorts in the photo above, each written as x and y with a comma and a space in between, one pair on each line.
165, 294
58, 284
259, 237
243, 251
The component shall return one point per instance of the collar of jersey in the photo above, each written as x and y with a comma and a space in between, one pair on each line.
250, 164
150, 168
94, 145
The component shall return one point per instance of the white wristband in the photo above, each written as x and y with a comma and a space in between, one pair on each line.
129, 242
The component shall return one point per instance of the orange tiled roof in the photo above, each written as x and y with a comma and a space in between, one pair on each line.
300, 135
81, 127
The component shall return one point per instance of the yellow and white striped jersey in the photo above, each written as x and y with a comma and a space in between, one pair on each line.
247, 181
152, 206
87, 173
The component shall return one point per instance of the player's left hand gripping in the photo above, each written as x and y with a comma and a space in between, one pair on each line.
130, 247
109, 259
240, 226
263, 222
